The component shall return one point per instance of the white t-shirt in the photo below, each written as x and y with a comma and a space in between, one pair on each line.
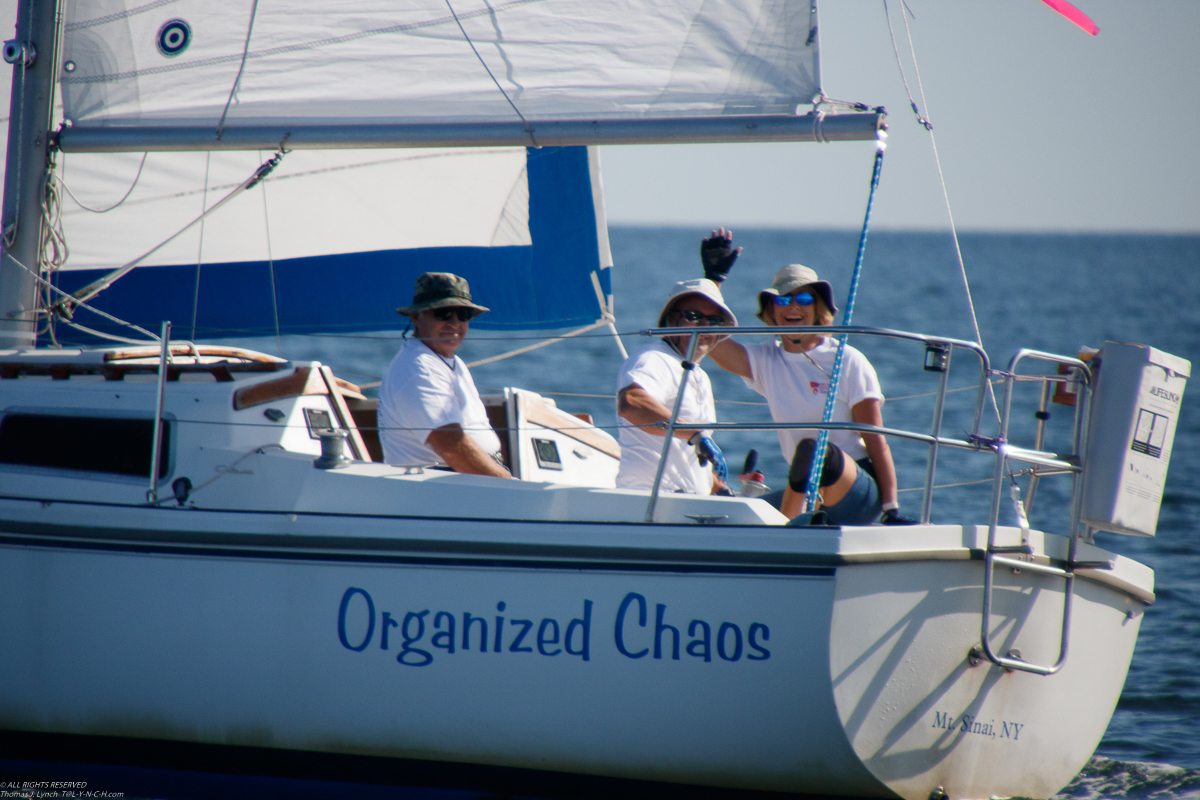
796, 390
423, 391
658, 369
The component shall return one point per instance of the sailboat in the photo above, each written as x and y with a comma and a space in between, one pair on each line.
200, 546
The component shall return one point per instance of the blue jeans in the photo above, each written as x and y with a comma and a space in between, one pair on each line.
861, 505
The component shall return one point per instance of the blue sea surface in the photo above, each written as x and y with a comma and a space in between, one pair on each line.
1049, 292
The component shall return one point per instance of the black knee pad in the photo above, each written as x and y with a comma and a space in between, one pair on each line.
835, 463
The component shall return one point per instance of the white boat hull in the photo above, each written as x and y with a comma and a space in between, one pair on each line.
836, 663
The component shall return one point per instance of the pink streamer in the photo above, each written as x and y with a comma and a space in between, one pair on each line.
1074, 14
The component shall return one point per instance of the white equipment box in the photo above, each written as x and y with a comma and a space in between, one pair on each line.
1131, 427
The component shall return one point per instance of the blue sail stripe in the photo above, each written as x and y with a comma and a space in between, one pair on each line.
543, 286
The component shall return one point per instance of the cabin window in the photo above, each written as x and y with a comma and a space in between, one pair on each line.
116, 445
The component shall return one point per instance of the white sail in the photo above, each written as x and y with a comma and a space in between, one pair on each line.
196, 62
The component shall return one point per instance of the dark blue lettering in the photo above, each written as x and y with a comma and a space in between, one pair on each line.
700, 648
370, 619
543, 640
407, 650
659, 627
515, 647
467, 620
619, 632
499, 634
584, 625
737, 640
751, 639
388, 622
444, 638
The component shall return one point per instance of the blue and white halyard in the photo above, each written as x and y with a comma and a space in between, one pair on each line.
273, 590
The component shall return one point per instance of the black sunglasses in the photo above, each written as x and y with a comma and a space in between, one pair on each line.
446, 314
695, 317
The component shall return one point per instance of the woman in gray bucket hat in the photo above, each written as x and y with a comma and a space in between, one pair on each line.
858, 479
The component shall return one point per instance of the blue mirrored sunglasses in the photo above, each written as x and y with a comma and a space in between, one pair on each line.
802, 299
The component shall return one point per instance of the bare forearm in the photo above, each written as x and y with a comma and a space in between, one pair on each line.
731, 357
638, 407
462, 453
885, 468
869, 412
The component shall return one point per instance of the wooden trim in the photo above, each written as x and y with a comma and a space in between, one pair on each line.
539, 413
222, 371
357, 446
190, 350
301, 382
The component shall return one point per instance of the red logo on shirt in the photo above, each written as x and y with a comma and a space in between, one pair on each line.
819, 388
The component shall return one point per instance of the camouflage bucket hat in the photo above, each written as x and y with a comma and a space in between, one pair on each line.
441, 290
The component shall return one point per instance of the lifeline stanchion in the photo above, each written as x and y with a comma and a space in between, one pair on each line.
818, 462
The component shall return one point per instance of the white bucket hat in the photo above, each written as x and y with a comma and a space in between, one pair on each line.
788, 280
702, 287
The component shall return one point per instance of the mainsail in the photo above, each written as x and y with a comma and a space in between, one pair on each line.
334, 238
198, 62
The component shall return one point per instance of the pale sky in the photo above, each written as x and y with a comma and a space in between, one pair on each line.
1039, 127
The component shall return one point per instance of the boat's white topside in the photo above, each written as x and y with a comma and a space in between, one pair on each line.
834, 660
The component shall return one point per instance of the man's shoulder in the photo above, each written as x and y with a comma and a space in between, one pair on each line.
415, 363
651, 352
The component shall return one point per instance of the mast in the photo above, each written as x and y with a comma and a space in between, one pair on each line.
32, 55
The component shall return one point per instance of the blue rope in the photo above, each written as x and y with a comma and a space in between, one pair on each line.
814, 476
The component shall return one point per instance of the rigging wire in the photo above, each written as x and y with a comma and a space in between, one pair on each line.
63, 306
271, 271
53, 252
241, 68
125, 197
200, 246
928, 126
75, 302
528, 127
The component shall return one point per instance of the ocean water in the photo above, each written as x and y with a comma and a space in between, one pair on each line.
1050, 292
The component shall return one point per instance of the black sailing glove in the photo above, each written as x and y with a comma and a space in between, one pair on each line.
717, 254
893, 517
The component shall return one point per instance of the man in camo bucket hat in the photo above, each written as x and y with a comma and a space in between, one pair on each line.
441, 290
430, 412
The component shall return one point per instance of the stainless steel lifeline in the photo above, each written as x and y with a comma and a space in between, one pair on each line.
1044, 463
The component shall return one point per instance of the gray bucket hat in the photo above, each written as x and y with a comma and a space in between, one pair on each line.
702, 287
440, 290
788, 280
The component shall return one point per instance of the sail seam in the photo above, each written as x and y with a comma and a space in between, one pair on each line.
305, 174
291, 48
132, 12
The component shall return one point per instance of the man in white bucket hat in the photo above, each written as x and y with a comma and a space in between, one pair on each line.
648, 385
